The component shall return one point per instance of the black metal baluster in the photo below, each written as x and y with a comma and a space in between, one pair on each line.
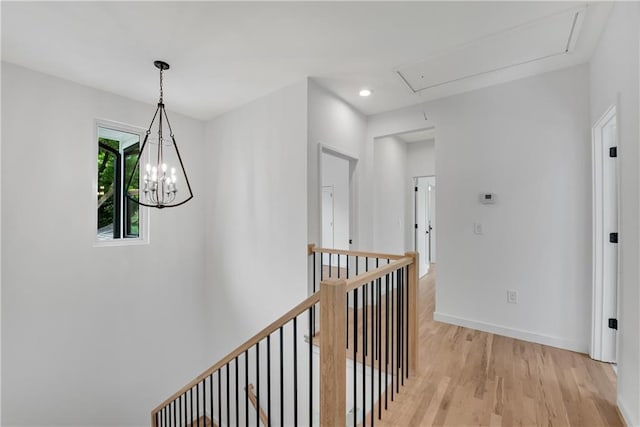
258, 384
347, 266
228, 395
314, 291
386, 342
407, 323
338, 266
211, 397
364, 353
184, 404
204, 404
310, 373
204, 400
282, 375
237, 397
373, 322
330, 265
295, 371
355, 356
269, 379
402, 368
398, 284
191, 406
373, 383
365, 301
347, 305
220, 396
378, 312
246, 388
198, 405
392, 326
379, 348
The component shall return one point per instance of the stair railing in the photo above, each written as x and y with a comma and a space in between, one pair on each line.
362, 312
375, 297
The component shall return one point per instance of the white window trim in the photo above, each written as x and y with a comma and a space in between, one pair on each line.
143, 238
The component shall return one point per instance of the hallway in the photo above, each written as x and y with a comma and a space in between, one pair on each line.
468, 377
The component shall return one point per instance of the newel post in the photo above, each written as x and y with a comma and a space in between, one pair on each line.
333, 354
413, 311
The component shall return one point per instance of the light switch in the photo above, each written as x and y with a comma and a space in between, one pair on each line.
477, 228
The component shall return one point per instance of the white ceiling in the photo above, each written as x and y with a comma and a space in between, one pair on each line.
224, 55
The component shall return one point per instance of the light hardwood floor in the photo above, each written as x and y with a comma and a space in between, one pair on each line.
468, 378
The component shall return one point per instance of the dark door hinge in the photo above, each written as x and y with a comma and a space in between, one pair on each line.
613, 151
415, 188
613, 324
613, 237
416, 226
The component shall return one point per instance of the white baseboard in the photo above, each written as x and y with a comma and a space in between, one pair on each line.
625, 414
512, 333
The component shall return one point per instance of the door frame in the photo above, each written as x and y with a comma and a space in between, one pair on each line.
353, 162
597, 349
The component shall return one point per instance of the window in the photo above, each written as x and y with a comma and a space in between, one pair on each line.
118, 218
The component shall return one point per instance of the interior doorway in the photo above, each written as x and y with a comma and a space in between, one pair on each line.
605, 238
336, 202
425, 221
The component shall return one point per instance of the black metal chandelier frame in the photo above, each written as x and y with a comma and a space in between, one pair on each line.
168, 193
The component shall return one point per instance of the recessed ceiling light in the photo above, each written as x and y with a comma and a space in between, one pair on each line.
365, 92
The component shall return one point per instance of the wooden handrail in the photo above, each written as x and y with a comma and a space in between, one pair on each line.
312, 248
254, 402
274, 326
370, 276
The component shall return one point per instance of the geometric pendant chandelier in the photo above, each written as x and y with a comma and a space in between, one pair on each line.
164, 182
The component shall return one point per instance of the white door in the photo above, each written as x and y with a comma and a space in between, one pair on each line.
605, 251
422, 226
327, 218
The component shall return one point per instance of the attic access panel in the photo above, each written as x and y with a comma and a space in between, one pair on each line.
546, 37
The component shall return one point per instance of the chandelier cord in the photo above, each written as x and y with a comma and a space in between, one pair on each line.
161, 94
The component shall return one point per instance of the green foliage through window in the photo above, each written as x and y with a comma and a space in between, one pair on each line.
118, 216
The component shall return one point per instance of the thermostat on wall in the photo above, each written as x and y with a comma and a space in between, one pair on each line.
487, 198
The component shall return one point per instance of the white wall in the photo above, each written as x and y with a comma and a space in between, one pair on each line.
421, 158
335, 172
529, 142
391, 195
614, 80
256, 215
334, 124
91, 335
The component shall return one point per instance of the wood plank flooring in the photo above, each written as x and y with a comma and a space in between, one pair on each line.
469, 378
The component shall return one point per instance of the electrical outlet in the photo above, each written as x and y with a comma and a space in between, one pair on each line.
477, 228
512, 296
